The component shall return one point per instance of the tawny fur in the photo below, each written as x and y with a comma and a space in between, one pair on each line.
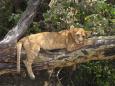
65, 39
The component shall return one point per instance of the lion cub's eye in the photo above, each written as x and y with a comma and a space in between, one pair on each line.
77, 35
83, 36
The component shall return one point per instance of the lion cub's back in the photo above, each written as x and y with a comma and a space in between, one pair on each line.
47, 40
51, 40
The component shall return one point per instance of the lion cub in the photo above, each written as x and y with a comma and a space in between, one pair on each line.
65, 39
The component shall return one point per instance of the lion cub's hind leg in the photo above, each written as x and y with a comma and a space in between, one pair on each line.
32, 53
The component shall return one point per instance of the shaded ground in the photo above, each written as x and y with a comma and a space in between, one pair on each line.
23, 80
65, 77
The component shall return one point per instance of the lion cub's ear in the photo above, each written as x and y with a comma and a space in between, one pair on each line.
88, 33
73, 29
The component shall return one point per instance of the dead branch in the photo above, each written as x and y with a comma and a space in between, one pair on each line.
26, 19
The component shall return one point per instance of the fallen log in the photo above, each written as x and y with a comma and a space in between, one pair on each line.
102, 48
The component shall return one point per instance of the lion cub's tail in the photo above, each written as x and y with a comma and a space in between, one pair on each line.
19, 47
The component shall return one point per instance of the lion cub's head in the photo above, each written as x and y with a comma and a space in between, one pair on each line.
79, 34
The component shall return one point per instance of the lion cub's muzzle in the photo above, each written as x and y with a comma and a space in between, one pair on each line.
80, 39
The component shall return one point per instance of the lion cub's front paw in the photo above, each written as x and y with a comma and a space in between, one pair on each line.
32, 76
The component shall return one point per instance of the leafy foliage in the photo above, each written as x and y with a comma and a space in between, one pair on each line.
5, 12
96, 15
96, 74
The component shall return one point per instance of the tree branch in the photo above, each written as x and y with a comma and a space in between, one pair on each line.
26, 19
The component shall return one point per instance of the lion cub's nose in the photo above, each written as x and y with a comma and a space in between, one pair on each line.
81, 39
